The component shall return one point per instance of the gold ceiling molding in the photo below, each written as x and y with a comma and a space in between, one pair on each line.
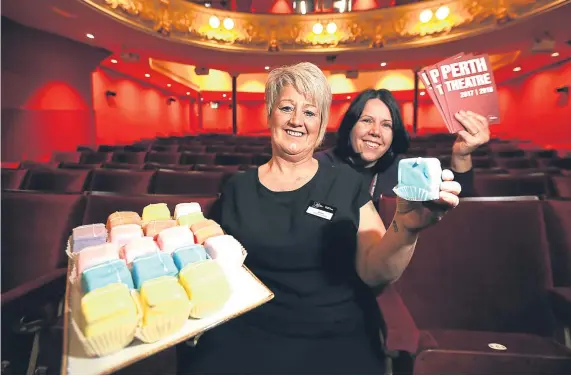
387, 28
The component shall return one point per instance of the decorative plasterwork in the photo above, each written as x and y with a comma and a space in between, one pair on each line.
387, 28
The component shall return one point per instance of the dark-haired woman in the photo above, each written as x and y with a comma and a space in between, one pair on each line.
372, 138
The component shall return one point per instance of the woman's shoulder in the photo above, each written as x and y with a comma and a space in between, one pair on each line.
341, 174
241, 179
328, 156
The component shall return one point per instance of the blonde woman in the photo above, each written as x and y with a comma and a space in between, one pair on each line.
316, 240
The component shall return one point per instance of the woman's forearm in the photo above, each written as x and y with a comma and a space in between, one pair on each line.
387, 259
460, 163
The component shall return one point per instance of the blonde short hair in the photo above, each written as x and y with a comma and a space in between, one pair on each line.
309, 81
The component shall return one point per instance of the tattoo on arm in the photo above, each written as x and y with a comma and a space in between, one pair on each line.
395, 226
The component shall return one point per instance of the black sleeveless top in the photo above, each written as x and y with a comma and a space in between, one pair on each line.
307, 261
323, 319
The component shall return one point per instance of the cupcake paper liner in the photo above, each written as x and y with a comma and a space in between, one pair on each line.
162, 326
411, 193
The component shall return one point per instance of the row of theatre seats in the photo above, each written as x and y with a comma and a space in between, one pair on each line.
197, 164
69, 177
488, 290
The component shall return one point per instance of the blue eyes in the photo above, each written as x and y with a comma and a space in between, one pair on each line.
290, 109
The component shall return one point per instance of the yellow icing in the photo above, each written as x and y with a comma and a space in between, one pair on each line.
190, 219
107, 308
207, 287
161, 297
155, 212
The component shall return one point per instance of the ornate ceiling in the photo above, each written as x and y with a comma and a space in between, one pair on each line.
402, 27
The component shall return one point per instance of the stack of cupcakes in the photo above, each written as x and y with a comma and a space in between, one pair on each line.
145, 276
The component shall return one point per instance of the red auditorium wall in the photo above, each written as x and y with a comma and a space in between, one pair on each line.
136, 111
46, 93
533, 110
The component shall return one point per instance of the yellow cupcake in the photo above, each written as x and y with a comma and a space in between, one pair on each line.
165, 307
190, 219
108, 319
206, 286
154, 212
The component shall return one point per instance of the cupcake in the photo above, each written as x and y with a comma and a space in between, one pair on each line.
190, 219
226, 250
153, 228
206, 286
123, 234
205, 229
151, 266
174, 237
104, 274
165, 308
189, 254
87, 236
153, 212
123, 218
95, 255
108, 319
138, 247
419, 179
186, 208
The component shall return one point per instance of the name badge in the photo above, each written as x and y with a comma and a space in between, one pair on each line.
321, 210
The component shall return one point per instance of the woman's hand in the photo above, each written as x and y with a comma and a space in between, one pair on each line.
476, 132
416, 216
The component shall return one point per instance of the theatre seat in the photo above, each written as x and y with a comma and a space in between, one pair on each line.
131, 157
66, 156
13, 178
515, 163
456, 352
198, 158
231, 169
78, 166
193, 148
234, 159
163, 157
35, 229
165, 166
57, 180
224, 148
483, 276
121, 181
558, 224
189, 183
122, 166
487, 185
164, 148
562, 186
95, 157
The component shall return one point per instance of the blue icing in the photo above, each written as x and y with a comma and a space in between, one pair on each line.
151, 266
105, 274
419, 179
189, 254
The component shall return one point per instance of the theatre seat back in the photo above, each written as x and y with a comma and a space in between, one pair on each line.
558, 224
35, 229
484, 267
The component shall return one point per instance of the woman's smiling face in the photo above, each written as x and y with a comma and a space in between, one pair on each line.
372, 135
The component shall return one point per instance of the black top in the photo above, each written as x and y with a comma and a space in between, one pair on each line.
307, 261
323, 319
387, 178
